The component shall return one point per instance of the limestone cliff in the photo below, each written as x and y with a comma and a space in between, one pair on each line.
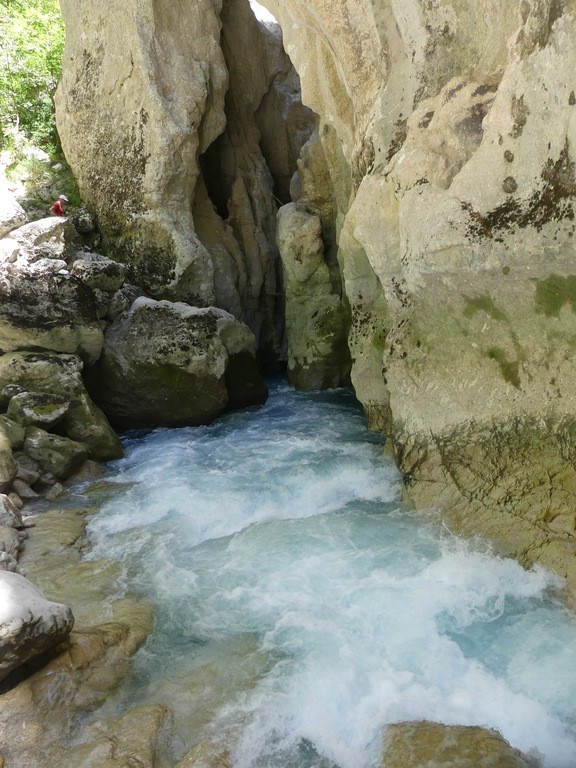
443, 175
175, 134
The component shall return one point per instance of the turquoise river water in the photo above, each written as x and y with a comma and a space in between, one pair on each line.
300, 607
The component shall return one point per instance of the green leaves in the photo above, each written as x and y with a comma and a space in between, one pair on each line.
31, 45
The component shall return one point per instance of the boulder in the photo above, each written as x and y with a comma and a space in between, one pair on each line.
99, 272
8, 468
13, 431
187, 366
61, 374
9, 563
57, 455
206, 755
11, 543
9, 514
50, 238
86, 424
37, 409
29, 623
123, 299
435, 745
12, 214
31, 318
41, 372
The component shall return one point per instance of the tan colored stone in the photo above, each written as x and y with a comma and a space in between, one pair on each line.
129, 740
434, 745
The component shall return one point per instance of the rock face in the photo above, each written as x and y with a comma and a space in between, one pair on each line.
318, 356
442, 172
169, 364
29, 624
212, 114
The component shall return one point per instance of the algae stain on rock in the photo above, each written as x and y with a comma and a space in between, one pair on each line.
508, 368
483, 303
553, 293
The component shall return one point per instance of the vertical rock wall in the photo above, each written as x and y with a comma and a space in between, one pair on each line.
168, 118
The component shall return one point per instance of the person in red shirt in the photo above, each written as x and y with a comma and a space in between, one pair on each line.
58, 209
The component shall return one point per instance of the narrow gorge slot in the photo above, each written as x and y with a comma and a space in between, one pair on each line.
286, 310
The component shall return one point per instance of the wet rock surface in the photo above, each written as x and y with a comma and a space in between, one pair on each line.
434, 745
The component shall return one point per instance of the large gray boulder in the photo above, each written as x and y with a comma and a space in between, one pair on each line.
29, 623
99, 272
49, 238
170, 364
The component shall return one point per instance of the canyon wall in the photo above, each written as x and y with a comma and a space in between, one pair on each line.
439, 176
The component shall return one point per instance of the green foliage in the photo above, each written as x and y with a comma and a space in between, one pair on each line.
31, 45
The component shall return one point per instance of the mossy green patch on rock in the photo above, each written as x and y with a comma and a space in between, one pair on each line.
553, 293
483, 303
508, 368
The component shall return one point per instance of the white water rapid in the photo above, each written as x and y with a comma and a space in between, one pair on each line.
300, 608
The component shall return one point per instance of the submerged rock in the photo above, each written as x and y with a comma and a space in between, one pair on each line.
206, 755
434, 745
169, 364
29, 623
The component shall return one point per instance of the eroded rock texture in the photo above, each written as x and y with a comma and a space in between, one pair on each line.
442, 173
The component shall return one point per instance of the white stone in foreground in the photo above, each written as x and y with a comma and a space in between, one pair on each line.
29, 623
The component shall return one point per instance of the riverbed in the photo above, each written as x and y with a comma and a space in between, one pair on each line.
300, 606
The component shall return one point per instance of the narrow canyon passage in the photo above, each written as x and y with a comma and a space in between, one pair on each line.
300, 607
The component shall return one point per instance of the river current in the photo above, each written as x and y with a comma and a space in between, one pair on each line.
300, 607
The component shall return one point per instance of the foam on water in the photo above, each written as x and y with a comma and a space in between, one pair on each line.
283, 525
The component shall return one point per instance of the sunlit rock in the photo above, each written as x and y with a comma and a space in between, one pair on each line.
30, 317
29, 624
12, 215
98, 272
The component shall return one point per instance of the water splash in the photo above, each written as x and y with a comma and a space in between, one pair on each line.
279, 532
